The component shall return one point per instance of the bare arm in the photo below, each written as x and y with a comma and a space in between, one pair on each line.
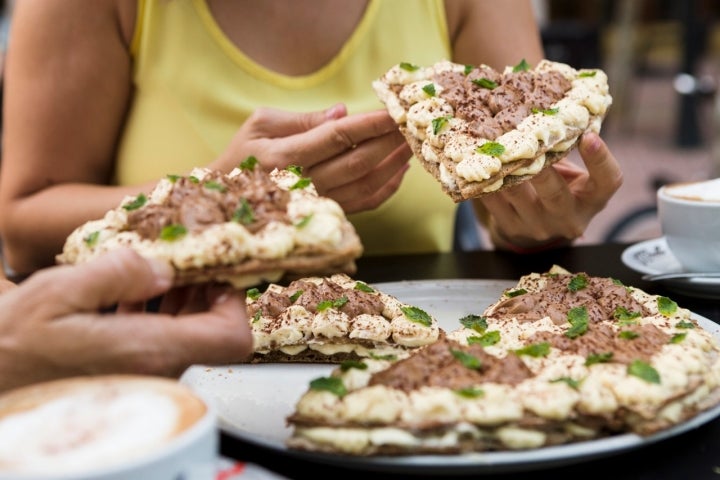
494, 33
555, 207
67, 87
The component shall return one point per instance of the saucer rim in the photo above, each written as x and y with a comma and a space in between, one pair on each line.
705, 289
654, 243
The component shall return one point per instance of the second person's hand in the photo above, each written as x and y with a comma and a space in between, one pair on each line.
58, 323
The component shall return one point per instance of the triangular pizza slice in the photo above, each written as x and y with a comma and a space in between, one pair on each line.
478, 130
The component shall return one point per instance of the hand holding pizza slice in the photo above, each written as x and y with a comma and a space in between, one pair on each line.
477, 130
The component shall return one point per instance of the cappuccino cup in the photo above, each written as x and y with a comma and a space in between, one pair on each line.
107, 427
689, 215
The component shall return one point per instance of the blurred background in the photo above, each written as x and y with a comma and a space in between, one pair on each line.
663, 63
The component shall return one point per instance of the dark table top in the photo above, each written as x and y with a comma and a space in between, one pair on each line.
692, 455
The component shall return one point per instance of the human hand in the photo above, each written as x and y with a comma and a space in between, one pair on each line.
6, 285
357, 160
57, 324
558, 204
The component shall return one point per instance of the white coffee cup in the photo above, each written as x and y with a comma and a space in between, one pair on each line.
107, 427
690, 221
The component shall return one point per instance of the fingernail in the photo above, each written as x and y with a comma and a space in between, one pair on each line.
336, 111
222, 298
162, 271
222, 293
591, 142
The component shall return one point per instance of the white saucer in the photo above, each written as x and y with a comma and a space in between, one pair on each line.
654, 257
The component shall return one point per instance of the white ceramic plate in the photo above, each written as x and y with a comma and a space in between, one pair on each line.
654, 257
254, 400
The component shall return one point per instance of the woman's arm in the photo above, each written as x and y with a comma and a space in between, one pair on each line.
493, 33
67, 89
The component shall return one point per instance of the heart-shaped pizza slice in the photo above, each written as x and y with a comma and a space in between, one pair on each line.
244, 228
478, 130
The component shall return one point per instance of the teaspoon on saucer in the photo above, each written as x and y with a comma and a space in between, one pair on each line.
681, 275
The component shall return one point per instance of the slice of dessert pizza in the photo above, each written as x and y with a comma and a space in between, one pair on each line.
478, 130
561, 358
332, 319
245, 227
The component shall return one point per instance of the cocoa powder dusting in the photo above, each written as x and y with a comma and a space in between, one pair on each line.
600, 296
196, 204
309, 294
642, 344
494, 103
436, 366
602, 299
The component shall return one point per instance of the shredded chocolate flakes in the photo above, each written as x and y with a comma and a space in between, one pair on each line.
216, 199
491, 112
601, 297
436, 366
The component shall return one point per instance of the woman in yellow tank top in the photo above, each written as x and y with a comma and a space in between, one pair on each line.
173, 132
105, 98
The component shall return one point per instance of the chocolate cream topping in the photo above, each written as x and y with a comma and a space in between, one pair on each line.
493, 110
310, 294
603, 299
437, 366
215, 199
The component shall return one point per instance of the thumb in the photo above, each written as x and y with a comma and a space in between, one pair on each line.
604, 173
118, 276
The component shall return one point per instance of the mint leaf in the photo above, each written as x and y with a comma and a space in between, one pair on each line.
333, 385
417, 315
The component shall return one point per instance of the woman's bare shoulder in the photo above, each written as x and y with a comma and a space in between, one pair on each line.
110, 16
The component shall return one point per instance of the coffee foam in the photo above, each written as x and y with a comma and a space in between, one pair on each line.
705, 191
72, 425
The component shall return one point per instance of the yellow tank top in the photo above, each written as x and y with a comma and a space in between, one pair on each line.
194, 88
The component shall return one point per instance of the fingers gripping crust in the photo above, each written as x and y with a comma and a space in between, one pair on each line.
244, 228
477, 130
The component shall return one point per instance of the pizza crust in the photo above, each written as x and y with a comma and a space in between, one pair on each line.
422, 101
288, 231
